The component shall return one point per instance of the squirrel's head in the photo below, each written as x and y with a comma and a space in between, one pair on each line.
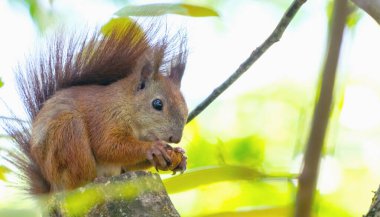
158, 107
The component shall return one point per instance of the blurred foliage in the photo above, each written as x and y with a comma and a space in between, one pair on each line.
162, 9
253, 161
8, 212
116, 23
209, 175
44, 15
354, 16
273, 138
3, 171
245, 151
259, 212
41, 14
279, 4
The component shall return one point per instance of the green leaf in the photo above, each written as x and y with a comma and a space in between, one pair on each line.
3, 171
162, 9
121, 23
261, 212
208, 175
353, 18
1, 82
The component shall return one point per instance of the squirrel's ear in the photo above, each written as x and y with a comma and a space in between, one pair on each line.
177, 68
145, 75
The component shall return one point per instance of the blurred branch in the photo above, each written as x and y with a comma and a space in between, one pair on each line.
372, 7
374, 210
255, 55
11, 119
308, 178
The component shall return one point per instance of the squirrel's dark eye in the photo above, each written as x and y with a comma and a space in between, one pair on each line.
157, 104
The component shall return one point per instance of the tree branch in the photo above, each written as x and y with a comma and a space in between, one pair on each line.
308, 178
372, 7
133, 194
255, 55
374, 210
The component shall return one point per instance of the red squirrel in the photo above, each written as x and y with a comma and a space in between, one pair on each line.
101, 103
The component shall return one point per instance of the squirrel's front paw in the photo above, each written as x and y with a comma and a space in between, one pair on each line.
164, 157
158, 156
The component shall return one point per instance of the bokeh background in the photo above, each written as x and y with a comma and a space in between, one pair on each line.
260, 123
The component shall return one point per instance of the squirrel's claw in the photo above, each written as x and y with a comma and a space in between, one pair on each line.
169, 147
158, 156
180, 150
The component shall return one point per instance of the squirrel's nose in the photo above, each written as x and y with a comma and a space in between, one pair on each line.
174, 139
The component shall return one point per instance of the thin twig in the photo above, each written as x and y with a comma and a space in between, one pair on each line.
255, 55
308, 177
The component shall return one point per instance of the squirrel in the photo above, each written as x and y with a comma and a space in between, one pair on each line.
99, 104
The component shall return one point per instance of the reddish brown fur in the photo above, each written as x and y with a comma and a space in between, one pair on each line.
88, 110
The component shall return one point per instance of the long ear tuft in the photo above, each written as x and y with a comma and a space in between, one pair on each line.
146, 72
152, 62
177, 68
178, 62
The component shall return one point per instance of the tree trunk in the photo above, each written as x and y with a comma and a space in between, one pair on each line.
131, 194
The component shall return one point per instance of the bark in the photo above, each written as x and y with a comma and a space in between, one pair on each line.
374, 210
131, 194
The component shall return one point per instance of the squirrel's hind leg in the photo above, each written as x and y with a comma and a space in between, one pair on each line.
65, 156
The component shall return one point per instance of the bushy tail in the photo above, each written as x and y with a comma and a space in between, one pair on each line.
78, 60
22, 159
